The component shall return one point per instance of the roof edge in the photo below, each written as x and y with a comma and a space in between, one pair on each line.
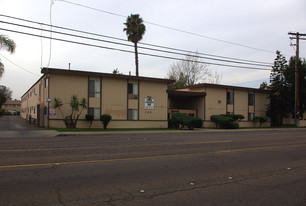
46, 70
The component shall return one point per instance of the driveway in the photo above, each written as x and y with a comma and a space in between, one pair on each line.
15, 126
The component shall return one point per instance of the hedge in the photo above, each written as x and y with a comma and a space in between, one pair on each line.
224, 122
180, 120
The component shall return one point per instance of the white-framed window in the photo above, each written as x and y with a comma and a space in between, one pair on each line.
94, 88
95, 112
132, 114
132, 91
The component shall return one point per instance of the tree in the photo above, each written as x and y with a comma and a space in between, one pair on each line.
5, 94
89, 118
190, 71
116, 71
135, 30
290, 76
280, 103
105, 119
8, 45
75, 105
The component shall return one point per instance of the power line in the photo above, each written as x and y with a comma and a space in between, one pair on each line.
124, 40
129, 45
19, 66
171, 28
127, 51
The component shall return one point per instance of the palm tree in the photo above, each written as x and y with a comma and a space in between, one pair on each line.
7, 44
135, 29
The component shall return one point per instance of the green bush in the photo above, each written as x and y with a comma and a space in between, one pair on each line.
105, 119
260, 119
235, 117
225, 122
2, 111
196, 122
180, 120
89, 118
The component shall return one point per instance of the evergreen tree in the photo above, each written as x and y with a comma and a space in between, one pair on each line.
280, 104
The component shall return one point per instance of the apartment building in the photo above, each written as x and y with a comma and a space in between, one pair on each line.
133, 102
204, 100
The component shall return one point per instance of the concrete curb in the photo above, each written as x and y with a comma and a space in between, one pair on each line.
174, 131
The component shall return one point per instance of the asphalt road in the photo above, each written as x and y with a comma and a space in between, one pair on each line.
237, 167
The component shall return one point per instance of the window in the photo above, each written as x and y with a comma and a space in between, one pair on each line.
133, 91
251, 116
132, 114
46, 82
94, 88
95, 112
230, 97
251, 99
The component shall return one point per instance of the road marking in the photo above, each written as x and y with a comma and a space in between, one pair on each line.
153, 157
121, 146
128, 146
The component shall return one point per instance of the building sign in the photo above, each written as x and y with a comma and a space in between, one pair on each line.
149, 103
52, 113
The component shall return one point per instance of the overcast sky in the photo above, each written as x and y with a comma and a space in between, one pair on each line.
218, 26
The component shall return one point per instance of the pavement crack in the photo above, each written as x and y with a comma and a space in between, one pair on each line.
60, 196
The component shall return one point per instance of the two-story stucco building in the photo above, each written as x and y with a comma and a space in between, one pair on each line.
133, 102
204, 100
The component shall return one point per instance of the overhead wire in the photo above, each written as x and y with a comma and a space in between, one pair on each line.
141, 43
19, 66
50, 52
171, 28
127, 51
129, 45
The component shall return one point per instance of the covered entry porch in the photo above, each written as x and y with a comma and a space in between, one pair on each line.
189, 103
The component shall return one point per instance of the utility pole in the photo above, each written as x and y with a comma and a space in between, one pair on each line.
297, 36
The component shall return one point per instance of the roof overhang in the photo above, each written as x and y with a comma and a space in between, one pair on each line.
107, 75
176, 93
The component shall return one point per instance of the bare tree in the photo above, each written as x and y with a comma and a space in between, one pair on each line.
191, 71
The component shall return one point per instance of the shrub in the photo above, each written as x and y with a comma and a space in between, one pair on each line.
105, 119
2, 111
261, 119
196, 122
90, 118
179, 120
224, 121
235, 117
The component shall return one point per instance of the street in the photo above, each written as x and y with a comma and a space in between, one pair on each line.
201, 167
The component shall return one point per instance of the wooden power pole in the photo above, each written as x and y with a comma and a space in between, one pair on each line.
297, 36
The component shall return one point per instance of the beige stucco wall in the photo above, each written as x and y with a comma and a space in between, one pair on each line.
33, 97
156, 91
215, 102
261, 102
241, 103
63, 87
114, 98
